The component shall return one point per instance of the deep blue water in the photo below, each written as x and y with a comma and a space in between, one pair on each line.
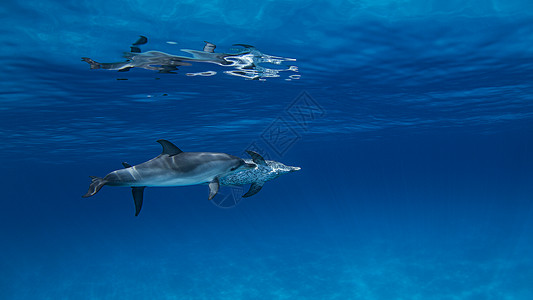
412, 122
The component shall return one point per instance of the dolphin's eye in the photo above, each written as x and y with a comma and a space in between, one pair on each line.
233, 169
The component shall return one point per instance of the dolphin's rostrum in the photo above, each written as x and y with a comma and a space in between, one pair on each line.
172, 167
264, 171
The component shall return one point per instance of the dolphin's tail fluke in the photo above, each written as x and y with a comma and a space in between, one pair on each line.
92, 63
95, 186
119, 66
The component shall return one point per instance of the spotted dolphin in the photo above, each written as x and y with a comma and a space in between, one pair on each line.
263, 171
172, 167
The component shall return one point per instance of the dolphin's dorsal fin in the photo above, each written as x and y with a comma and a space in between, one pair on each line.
126, 165
258, 159
141, 41
254, 189
169, 148
137, 192
209, 47
245, 46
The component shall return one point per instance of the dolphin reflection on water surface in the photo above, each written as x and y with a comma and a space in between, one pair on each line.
247, 62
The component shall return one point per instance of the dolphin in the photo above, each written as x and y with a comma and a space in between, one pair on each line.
172, 167
246, 62
263, 171
150, 60
161, 61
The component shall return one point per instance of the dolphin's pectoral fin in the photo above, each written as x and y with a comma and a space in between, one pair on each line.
126, 69
126, 165
254, 189
245, 46
258, 159
169, 148
137, 192
168, 69
213, 188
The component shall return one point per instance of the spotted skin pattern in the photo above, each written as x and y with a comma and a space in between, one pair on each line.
260, 174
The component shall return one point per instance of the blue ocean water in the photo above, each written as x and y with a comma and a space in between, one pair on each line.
412, 122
